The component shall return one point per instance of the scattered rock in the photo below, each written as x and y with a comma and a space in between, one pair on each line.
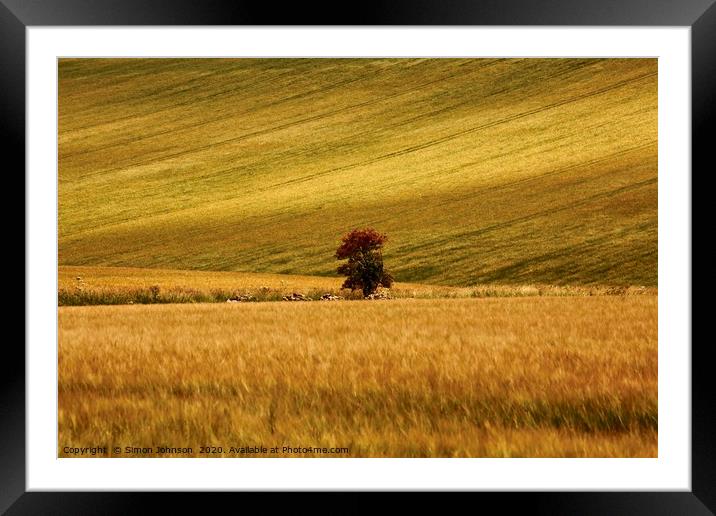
330, 297
296, 297
239, 299
380, 293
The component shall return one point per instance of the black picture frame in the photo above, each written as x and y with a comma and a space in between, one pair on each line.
17, 15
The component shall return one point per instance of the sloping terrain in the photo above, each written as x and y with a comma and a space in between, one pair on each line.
479, 170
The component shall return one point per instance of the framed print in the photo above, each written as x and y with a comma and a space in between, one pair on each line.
417, 250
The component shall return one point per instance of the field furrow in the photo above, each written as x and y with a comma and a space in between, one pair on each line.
260, 165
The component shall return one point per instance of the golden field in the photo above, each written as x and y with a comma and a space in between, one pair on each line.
480, 171
519, 197
504, 377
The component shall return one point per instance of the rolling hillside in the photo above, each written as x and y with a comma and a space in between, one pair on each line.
479, 170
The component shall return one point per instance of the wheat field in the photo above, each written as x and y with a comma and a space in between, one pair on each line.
522, 377
519, 197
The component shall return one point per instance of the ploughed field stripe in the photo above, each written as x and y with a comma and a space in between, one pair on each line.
519, 159
269, 130
459, 134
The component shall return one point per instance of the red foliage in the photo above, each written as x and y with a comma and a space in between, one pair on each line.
364, 270
360, 240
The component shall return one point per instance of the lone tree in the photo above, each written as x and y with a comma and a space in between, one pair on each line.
364, 269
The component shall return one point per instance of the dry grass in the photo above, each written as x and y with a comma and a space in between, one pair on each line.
502, 377
84, 285
532, 182
509, 171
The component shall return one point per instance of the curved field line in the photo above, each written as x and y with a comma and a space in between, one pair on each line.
560, 253
555, 172
464, 132
213, 120
550, 211
249, 82
117, 78
102, 227
194, 100
159, 93
280, 127
353, 137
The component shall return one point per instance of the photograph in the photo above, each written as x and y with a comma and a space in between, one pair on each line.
357, 257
